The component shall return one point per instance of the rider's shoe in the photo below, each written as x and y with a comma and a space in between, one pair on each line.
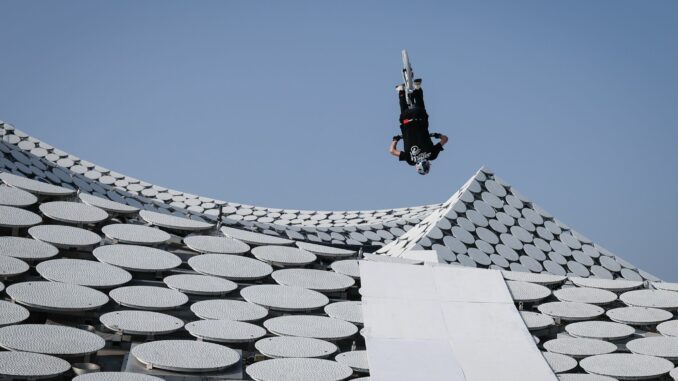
400, 87
417, 84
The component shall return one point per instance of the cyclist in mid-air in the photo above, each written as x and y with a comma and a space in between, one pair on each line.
419, 148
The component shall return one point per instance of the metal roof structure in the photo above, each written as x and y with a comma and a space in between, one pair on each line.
108, 277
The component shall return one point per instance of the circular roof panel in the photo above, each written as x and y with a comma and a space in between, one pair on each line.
232, 267
73, 212
82, 272
185, 355
284, 298
137, 258
141, 322
297, 347
55, 296
299, 369
227, 309
56, 340
216, 245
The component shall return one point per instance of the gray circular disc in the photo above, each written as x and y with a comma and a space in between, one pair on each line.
601, 272
668, 328
479, 257
476, 218
554, 268
659, 346
141, 322
665, 286
256, 239
325, 251
569, 311
47, 339
507, 252
137, 258
347, 267
454, 244
582, 258
10, 267
232, 267
317, 327
542, 279
535, 321
609, 263
227, 309
135, 234
26, 248
200, 284
216, 245
531, 264
662, 299
585, 295
11, 313
33, 186
522, 234
617, 285
603, 330
444, 252
55, 296
283, 255
559, 363
82, 272
185, 355
638, 315
73, 212
534, 252
296, 347
173, 222
318, 280
64, 236
284, 298
462, 235
116, 376
511, 241
349, 311
11, 217
560, 248
527, 292
298, 369
356, 360
148, 297
625, 366
583, 377
107, 205
16, 197
579, 347
225, 331
32, 366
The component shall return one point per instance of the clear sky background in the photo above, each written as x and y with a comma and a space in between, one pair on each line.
292, 104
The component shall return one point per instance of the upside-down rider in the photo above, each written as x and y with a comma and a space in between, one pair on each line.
419, 148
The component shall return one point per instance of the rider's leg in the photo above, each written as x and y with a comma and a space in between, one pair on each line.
418, 98
403, 101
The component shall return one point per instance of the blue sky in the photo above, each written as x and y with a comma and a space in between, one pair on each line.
291, 104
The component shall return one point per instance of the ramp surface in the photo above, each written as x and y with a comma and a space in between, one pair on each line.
445, 323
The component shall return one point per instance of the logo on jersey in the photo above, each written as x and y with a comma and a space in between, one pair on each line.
416, 155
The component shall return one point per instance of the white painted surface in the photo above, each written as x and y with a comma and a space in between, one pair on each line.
445, 323
422, 255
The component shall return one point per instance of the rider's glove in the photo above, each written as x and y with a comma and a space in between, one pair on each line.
436, 135
397, 138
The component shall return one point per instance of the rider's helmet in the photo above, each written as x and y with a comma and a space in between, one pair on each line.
423, 167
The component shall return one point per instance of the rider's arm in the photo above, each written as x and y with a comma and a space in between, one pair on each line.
393, 150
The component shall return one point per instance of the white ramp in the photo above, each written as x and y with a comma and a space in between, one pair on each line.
438, 323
